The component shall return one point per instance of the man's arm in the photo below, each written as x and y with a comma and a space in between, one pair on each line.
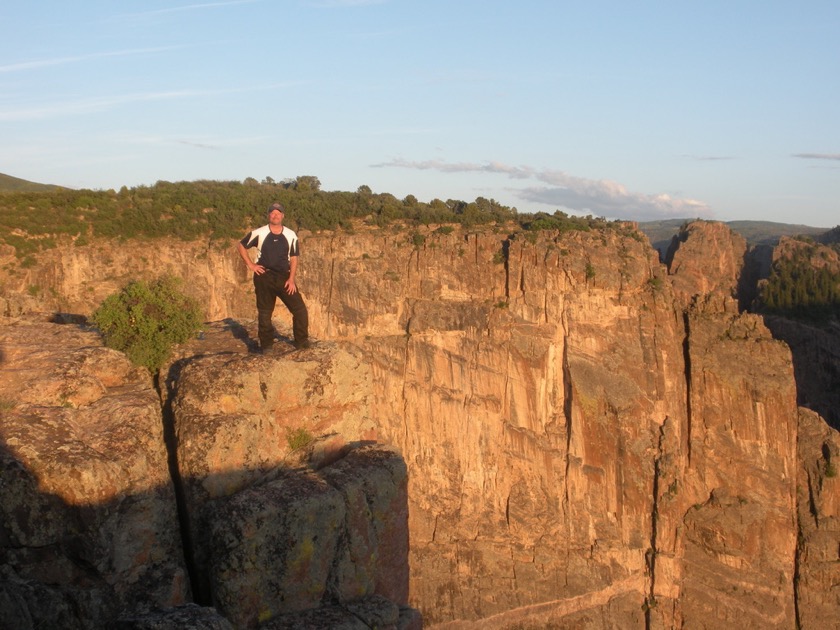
291, 287
257, 269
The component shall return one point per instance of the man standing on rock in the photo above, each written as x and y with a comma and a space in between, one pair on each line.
274, 276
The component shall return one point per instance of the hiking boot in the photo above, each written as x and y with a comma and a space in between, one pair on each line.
302, 344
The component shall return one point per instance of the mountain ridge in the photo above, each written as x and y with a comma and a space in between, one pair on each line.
660, 232
10, 184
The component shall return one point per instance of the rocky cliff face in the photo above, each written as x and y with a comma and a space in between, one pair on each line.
86, 501
118, 512
819, 522
591, 438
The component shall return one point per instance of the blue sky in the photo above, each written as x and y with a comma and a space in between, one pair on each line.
634, 110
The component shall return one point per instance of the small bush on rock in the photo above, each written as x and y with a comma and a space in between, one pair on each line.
145, 320
298, 438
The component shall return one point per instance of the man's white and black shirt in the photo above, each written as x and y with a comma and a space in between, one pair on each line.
275, 250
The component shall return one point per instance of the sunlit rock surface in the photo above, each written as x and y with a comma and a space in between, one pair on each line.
591, 437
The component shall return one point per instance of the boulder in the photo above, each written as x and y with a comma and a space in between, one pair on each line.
184, 617
88, 520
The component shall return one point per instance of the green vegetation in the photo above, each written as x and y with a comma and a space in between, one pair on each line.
10, 184
298, 438
222, 210
799, 289
649, 604
832, 237
145, 320
561, 222
418, 240
214, 209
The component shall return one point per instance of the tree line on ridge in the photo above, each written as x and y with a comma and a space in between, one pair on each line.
222, 210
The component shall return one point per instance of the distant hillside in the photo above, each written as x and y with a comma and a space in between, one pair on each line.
226, 210
769, 233
831, 237
660, 233
9, 184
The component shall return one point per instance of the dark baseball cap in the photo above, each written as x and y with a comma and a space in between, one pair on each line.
276, 206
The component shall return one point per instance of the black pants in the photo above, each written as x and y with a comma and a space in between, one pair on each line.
268, 287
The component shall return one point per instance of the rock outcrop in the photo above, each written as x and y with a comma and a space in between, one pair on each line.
706, 258
89, 521
591, 438
302, 538
90, 531
726, 494
818, 494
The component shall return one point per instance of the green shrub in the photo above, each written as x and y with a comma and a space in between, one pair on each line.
298, 438
145, 320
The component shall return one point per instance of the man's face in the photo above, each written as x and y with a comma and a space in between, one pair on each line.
275, 217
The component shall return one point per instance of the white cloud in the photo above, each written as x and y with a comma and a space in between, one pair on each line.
611, 200
707, 158
818, 156
88, 106
188, 7
57, 61
328, 4
104, 103
204, 142
586, 196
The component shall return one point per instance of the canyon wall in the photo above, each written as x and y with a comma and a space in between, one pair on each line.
592, 438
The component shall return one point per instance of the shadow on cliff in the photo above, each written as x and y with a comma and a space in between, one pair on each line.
756, 267
62, 561
815, 351
816, 365
241, 333
229, 328
68, 564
